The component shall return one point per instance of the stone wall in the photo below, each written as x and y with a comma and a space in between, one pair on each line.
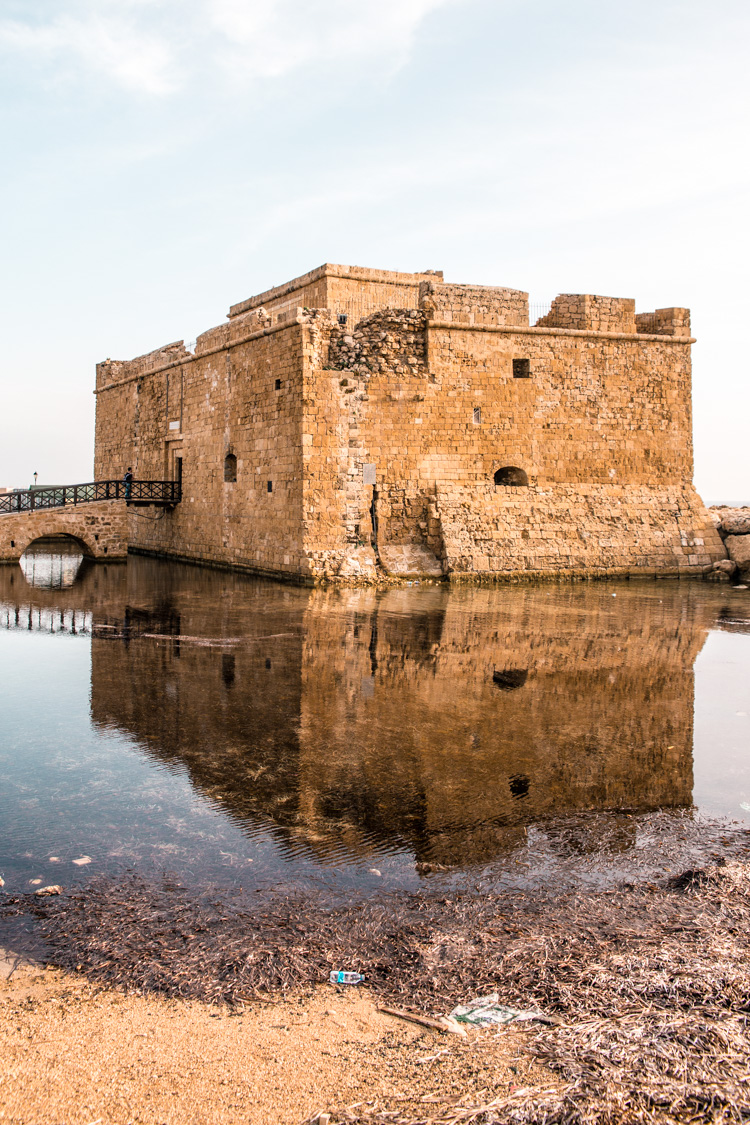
240, 397
600, 426
101, 528
664, 322
584, 528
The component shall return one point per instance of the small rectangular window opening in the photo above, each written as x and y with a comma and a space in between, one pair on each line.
278, 384
521, 369
270, 486
477, 416
342, 318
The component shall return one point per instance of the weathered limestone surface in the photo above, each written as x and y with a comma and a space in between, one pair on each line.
738, 547
731, 521
101, 528
350, 395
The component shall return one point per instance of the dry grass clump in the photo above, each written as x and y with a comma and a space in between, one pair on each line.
652, 982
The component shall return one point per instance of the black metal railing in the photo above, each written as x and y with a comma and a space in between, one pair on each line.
143, 491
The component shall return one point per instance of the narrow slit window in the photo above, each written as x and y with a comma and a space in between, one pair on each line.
278, 384
230, 468
521, 369
477, 416
270, 486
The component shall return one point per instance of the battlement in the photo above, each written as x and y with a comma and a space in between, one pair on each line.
351, 291
474, 304
664, 322
588, 312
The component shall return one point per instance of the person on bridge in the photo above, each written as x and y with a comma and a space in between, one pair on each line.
128, 482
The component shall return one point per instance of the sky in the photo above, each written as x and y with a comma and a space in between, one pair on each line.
164, 159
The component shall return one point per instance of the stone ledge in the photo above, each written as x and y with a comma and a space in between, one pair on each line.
642, 337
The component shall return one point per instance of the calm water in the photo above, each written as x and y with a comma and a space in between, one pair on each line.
230, 730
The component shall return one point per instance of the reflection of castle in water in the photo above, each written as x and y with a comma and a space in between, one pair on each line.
439, 721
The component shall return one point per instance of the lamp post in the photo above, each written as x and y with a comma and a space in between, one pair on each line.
35, 476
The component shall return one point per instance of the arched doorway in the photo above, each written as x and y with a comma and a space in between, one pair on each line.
511, 475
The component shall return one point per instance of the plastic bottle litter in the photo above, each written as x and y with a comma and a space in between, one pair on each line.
345, 977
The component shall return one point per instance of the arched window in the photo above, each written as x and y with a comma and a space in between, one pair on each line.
230, 468
511, 475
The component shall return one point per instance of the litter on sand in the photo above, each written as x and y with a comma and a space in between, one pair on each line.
345, 977
486, 1010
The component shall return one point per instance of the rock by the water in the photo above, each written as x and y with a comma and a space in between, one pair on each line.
722, 570
738, 547
731, 521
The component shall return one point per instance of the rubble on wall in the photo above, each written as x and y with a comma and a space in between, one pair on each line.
393, 340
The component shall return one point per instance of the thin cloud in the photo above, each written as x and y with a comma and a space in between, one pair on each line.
103, 43
270, 38
157, 49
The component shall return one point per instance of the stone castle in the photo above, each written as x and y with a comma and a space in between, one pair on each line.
364, 423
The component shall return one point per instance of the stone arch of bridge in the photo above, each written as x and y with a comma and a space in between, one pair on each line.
62, 538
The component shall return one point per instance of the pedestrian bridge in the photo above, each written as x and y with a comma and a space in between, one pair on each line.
95, 515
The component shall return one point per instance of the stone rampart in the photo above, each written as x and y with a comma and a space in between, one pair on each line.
101, 528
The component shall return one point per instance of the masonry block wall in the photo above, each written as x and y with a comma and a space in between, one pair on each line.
366, 412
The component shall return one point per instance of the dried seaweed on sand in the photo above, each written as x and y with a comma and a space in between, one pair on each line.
652, 983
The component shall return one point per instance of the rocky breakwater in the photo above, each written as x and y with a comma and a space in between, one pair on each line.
733, 525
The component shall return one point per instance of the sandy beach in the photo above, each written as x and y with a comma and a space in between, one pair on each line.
76, 1054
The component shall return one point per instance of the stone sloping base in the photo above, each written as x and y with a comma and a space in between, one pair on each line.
490, 530
407, 559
